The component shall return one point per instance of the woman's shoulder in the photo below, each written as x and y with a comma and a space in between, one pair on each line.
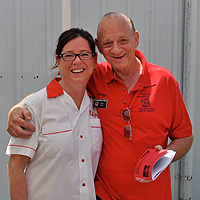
35, 99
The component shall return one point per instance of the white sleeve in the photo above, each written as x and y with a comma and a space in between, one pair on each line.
26, 147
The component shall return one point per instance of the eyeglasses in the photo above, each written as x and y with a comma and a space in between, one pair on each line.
127, 129
72, 56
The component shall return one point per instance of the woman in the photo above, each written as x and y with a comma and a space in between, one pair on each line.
59, 161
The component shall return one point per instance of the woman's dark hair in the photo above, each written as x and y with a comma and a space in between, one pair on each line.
70, 34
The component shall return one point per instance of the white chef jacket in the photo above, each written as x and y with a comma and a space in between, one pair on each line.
64, 149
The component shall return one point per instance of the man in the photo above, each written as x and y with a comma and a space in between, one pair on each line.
140, 107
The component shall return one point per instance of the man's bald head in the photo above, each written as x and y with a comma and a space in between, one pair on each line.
118, 16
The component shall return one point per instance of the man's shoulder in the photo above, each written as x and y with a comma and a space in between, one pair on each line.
101, 73
159, 73
103, 66
102, 70
157, 69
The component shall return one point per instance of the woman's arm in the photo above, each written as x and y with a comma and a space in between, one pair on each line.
16, 176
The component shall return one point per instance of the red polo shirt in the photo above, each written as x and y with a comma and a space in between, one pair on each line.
157, 112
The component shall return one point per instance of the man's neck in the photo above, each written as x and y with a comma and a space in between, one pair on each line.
130, 78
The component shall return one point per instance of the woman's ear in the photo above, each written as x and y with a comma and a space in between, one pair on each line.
58, 61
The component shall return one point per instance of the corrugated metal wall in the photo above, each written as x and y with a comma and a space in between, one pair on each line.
28, 34
192, 86
196, 103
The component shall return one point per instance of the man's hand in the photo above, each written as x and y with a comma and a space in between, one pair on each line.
157, 148
16, 124
141, 180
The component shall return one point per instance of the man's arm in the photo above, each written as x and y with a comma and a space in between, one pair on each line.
180, 146
16, 176
17, 123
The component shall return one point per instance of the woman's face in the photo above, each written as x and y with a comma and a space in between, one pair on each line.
76, 71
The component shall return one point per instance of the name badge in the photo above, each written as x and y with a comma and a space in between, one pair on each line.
100, 103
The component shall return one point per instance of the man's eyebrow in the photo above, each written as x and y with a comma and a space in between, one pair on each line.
105, 40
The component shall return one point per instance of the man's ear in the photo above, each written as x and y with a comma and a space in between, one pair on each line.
136, 37
98, 45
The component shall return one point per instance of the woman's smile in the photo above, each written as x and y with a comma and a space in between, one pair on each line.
78, 70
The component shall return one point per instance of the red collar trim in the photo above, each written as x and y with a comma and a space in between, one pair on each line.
54, 89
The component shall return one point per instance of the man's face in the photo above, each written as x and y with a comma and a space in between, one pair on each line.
117, 43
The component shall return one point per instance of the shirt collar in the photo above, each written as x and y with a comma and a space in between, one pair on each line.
54, 89
110, 74
144, 79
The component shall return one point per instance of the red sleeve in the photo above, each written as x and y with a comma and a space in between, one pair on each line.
181, 124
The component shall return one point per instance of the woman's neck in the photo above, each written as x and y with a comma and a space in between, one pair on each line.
76, 91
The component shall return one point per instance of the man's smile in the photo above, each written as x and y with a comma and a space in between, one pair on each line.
118, 57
